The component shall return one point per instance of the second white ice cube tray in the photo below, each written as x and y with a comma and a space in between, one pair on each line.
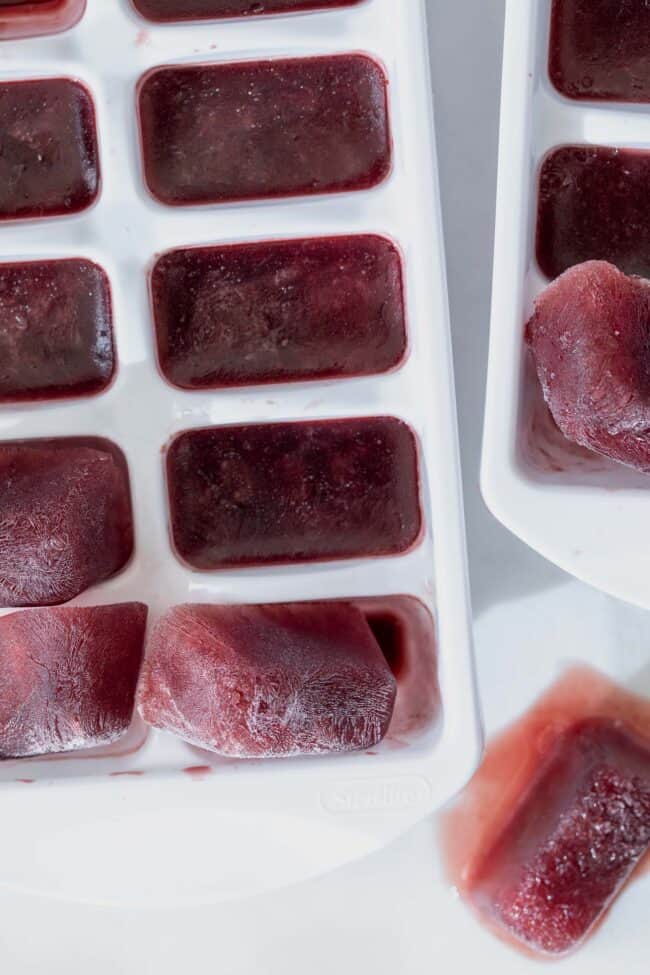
587, 514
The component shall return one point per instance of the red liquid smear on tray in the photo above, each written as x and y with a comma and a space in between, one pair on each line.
594, 204
293, 492
589, 340
56, 332
599, 49
246, 130
268, 681
168, 11
49, 157
31, 18
279, 311
68, 677
558, 816
65, 518
198, 772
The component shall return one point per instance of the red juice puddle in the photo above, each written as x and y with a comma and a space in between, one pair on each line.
136, 772
474, 828
26, 781
198, 771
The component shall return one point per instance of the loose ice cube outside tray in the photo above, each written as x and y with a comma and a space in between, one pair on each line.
580, 510
346, 805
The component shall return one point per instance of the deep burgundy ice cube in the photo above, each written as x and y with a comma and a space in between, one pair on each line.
599, 49
29, 18
268, 681
594, 204
56, 332
279, 311
65, 518
68, 677
572, 841
49, 158
166, 11
293, 492
590, 339
218, 132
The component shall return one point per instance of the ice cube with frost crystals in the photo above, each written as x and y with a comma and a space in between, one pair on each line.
268, 681
68, 677
572, 842
590, 340
65, 519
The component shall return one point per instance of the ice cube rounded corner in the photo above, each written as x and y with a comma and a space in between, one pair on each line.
582, 511
302, 152
36, 18
178, 12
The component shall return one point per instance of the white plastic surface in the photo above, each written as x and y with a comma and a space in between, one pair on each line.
79, 830
585, 513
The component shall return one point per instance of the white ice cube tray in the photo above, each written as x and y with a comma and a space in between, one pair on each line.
587, 514
126, 823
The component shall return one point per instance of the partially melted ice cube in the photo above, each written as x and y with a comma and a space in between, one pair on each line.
590, 340
268, 681
65, 519
68, 677
573, 840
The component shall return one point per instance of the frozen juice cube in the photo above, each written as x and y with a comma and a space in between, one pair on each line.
268, 681
590, 340
572, 841
175, 10
293, 492
594, 204
599, 49
65, 519
30, 18
68, 677
49, 159
279, 311
219, 132
56, 333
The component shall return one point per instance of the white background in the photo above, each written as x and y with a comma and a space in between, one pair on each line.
392, 913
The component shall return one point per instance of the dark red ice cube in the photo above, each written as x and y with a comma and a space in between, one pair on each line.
29, 18
572, 841
268, 681
279, 311
166, 11
221, 132
594, 204
599, 49
65, 519
293, 492
56, 332
49, 158
590, 339
68, 677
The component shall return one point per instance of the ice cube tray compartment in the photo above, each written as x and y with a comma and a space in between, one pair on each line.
124, 232
580, 510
